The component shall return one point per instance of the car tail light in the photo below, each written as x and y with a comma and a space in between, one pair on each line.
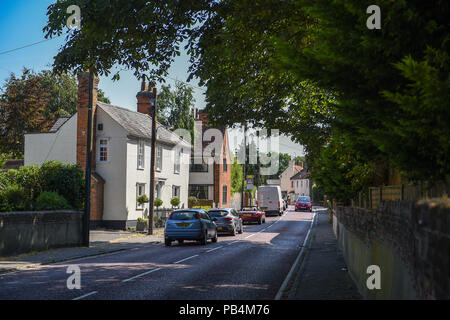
257, 203
229, 219
278, 204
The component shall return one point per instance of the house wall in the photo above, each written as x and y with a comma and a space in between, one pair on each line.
112, 171
60, 146
167, 174
285, 177
301, 187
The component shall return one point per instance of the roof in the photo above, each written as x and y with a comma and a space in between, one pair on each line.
303, 174
58, 124
139, 124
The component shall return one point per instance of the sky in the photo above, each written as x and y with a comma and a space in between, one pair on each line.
21, 24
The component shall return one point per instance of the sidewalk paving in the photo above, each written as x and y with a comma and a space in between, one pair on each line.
323, 273
101, 242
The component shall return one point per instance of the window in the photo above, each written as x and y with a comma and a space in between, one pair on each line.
292, 184
140, 190
176, 192
141, 155
301, 183
199, 191
198, 167
225, 165
103, 150
297, 183
176, 168
224, 195
159, 157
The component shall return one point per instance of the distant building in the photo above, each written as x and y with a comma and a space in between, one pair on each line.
301, 183
287, 186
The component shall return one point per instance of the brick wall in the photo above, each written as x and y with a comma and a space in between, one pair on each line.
415, 233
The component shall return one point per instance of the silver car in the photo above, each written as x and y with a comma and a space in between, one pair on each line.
227, 220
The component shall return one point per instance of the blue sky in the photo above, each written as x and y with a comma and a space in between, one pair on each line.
21, 24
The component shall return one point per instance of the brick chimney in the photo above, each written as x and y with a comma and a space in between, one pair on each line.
82, 122
143, 99
203, 117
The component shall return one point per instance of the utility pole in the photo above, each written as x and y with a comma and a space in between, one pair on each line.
153, 105
87, 199
243, 169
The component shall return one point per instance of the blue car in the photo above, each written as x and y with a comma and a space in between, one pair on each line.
189, 224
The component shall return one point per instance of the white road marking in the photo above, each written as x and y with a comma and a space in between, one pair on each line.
85, 295
141, 275
186, 259
250, 236
211, 250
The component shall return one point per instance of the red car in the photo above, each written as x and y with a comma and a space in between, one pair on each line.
303, 203
252, 214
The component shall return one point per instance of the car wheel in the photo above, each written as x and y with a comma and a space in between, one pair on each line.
180, 241
233, 232
215, 238
241, 229
168, 242
260, 221
204, 239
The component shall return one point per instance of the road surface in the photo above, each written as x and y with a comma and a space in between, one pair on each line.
252, 265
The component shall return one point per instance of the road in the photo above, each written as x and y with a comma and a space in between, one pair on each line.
252, 265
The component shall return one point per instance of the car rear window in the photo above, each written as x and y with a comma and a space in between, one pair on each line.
183, 215
303, 199
249, 209
218, 213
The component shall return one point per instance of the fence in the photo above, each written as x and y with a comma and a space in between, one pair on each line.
371, 198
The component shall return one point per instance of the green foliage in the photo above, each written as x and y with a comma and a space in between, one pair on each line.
64, 179
142, 199
175, 202
51, 201
192, 201
236, 176
158, 202
12, 198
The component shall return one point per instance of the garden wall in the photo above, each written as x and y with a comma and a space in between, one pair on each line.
409, 241
22, 232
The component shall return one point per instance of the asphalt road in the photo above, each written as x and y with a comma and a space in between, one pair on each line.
251, 265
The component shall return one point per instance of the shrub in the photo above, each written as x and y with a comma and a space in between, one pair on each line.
65, 179
51, 201
158, 202
192, 201
175, 202
12, 198
29, 177
142, 199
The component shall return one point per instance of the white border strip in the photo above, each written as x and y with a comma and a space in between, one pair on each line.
85, 295
141, 275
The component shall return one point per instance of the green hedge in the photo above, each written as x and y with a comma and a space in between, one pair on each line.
20, 189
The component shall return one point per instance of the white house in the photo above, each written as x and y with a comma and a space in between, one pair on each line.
286, 184
121, 157
301, 183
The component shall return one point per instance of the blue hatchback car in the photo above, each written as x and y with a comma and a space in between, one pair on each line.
190, 224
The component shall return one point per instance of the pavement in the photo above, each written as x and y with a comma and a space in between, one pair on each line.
322, 274
101, 242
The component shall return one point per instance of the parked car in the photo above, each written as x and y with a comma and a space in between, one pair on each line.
270, 200
252, 214
190, 224
227, 220
303, 203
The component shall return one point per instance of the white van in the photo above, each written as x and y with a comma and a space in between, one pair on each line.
270, 200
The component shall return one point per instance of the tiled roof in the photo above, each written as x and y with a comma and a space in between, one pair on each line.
303, 174
58, 124
139, 124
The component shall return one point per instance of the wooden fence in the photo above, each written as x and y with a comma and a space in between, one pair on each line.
371, 198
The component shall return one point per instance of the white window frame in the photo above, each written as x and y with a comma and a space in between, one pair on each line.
159, 158
174, 194
138, 185
99, 150
141, 154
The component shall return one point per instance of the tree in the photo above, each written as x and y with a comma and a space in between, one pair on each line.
22, 109
236, 176
174, 107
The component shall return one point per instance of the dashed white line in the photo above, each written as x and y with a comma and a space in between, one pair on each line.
182, 260
250, 236
85, 295
141, 275
211, 250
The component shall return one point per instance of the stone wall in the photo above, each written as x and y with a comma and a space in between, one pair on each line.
410, 241
22, 232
